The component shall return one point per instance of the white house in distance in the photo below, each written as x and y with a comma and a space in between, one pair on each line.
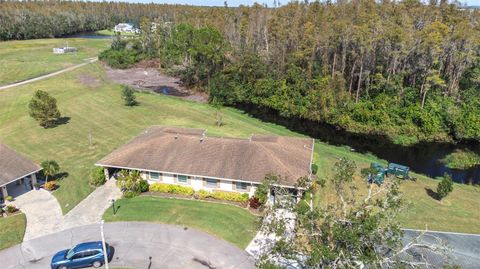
64, 50
125, 28
17, 173
189, 157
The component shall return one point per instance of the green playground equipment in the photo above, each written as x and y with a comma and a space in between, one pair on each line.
397, 170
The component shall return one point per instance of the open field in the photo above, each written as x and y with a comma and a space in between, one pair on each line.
12, 230
94, 107
110, 32
21, 60
231, 223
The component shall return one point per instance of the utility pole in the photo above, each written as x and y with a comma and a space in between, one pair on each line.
105, 254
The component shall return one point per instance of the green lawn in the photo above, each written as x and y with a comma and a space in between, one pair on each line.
12, 230
21, 60
231, 223
97, 110
110, 32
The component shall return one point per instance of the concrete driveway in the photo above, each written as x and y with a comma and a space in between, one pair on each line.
134, 242
44, 215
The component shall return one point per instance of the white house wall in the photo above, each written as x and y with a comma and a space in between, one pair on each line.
197, 183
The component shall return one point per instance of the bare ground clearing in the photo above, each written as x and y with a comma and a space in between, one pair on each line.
148, 78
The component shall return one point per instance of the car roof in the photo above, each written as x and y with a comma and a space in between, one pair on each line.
88, 245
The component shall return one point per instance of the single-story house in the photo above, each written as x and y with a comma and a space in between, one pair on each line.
125, 27
189, 157
16, 172
64, 50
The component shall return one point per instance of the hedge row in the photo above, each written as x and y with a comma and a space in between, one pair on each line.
170, 188
201, 194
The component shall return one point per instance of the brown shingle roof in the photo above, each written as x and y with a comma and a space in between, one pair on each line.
13, 165
187, 151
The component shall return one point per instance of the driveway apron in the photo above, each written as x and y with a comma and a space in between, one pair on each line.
44, 215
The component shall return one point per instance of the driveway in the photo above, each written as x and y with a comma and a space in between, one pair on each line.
90, 210
465, 248
134, 242
44, 215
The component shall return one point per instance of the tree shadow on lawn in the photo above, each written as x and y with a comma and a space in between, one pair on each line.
58, 122
432, 194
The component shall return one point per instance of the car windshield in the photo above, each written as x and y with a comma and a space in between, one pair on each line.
70, 253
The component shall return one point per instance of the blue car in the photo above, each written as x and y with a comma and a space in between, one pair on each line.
82, 255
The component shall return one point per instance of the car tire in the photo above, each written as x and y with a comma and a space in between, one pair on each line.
62, 267
97, 264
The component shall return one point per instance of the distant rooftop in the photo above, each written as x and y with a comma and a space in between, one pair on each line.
192, 152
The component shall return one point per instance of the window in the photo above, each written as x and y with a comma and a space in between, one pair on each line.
182, 179
241, 186
154, 176
211, 183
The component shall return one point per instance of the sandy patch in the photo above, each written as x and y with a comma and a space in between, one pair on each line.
89, 80
149, 78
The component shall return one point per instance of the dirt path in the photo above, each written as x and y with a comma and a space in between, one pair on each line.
89, 61
150, 79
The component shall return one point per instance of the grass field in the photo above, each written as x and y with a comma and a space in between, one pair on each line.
12, 230
110, 32
96, 109
231, 223
21, 60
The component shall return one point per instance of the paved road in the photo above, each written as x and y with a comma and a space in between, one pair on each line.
465, 248
90, 60
134, 242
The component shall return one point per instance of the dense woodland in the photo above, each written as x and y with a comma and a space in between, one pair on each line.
403, 69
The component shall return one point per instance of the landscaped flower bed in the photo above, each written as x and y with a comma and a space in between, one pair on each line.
175, 191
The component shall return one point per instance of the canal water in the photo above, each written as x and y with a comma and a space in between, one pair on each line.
423, 158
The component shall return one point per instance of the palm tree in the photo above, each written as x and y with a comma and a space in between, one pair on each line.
50, 168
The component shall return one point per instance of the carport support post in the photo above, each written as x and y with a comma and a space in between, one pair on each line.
4, 191
107, 175
34, 179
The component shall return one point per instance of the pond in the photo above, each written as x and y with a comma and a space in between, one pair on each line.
91, 35
423, 158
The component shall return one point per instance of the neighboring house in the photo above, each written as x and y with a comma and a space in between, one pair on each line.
64, 50
17, 173
126, 28
188, 157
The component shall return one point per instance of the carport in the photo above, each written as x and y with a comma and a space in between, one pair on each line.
17, 173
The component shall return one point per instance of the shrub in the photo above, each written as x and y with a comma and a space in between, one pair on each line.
129, 194
444, 187
254, 203
262, 192
11, 209
170, 188
230, 196
143, 185
314, 168
9, 198
128, 95
97, 177
50, 186
203, 194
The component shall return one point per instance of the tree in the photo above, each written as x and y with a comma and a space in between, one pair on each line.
128, 95
349, 232
445, 186
43, 108
50, 168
